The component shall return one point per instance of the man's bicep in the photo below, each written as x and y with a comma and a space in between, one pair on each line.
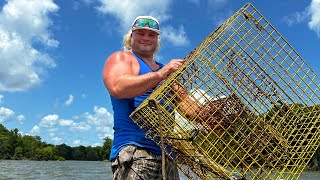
115, 68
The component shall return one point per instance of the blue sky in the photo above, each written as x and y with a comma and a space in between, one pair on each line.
52, 53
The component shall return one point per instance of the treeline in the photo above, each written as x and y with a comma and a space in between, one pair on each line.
15, 146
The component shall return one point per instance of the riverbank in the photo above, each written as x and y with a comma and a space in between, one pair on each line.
82, 170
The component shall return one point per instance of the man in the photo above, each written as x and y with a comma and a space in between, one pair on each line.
130, 77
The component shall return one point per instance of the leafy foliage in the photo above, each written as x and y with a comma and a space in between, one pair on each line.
15, 146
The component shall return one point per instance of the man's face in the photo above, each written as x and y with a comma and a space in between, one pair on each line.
144, 41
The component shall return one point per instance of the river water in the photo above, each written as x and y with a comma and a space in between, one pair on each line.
66, 170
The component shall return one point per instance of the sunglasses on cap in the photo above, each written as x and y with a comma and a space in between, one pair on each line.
146, 23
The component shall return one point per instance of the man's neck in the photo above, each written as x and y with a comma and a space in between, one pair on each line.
148, 60
145, 57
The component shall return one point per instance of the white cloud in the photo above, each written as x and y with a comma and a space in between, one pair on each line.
80, 127
314, 11
64, 122
5, 114
77, 142
35, 130
24, 24
101, 119
69, 101
53, 129
175, 36
310, 14
20, 118
49, 120
57, 140
297, 17
126, 11
105, 132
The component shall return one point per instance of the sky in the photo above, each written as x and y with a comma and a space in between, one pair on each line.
52, 54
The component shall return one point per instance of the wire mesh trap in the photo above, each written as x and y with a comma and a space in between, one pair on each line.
256, 112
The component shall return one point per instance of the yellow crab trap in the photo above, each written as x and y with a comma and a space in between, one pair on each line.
244, 105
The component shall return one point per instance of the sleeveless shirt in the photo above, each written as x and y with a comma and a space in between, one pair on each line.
126, 132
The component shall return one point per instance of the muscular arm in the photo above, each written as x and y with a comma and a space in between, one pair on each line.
120, 75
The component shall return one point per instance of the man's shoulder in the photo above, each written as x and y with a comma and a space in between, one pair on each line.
121, 55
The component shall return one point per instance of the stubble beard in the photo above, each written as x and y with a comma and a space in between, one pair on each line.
145, 50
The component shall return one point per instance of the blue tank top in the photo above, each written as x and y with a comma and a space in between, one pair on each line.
126, 132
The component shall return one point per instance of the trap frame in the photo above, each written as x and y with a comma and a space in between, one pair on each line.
251, 79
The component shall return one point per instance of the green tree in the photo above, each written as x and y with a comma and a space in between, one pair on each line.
106, 148
64, 151
4, 143
14, 140
92, 154
30, 144
314, 163
98, 150
47, 153
4, 147
3, 130
18, 154
79, 153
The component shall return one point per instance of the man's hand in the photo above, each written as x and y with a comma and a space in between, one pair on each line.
171, 67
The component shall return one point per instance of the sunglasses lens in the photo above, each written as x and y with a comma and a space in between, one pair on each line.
146, 23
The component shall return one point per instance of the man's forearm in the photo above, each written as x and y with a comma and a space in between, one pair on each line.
129, 86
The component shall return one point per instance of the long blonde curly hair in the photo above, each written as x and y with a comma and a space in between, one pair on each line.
127, 43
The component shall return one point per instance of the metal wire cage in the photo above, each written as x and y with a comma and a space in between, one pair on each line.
263, 101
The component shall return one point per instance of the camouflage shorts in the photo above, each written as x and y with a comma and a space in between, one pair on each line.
136, 163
